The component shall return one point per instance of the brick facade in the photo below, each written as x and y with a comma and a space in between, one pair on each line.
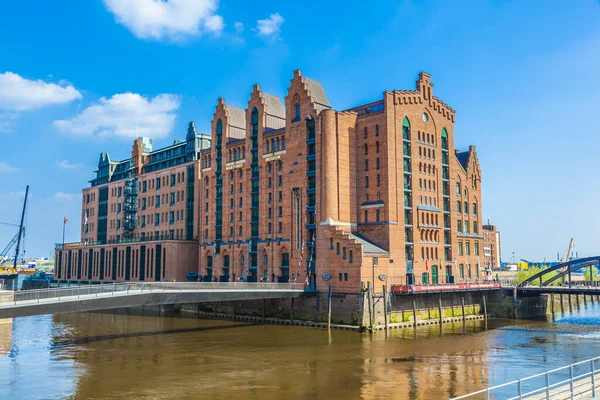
297, 191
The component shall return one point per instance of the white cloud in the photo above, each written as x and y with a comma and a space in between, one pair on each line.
167, 19
7, 121
270, 27
239, 27
18, 93
12, 194
65, 164
60, 196
4, 167
127, 115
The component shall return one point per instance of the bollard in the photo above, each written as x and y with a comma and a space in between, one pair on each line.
441, 316
385, 308
519, 390
329, 308
463, 310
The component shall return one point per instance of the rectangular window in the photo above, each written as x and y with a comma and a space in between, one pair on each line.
280, 196
172, 179
460, 248
337, 251
466, 208
158, 183
118, 224
330, 243
346, 276
461, 272
173, 198
172, 217
143, 221
344, 253
144, 187
280, 227
340, 276
458, 207
156, 219
119, 208
459, 225
476, 248
474, 209
119, 191
467, 227
468, 248
280, 180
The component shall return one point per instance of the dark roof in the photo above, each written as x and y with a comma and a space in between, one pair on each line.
463, 159
368, 247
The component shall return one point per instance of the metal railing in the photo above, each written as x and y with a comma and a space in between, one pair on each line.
554, 385
70, 293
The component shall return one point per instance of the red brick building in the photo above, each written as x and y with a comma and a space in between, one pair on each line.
297, 191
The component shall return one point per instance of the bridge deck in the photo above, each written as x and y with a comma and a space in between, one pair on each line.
80, 299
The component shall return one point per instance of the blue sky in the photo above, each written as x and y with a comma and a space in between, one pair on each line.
81, 77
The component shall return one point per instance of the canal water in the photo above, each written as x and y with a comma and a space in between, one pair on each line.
141, 355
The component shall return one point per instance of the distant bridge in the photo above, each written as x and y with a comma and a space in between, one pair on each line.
122, 295
564, 269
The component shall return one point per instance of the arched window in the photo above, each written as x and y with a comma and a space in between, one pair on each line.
366, 149
406, 129
444, 139
297, 111
285, 259
226, 261
376, 130
377, 147
365, 133
265, 258
378, 162
242, 260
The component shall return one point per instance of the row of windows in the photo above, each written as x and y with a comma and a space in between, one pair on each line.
377, 164
346, 255
430, 235
467, 248
426, 184
151, 184
377, 216
465, 225
465, 208
429, 219
239, 153
366, 131
426, 137
275, 144
429, 253
377, 181
377, 148
377, 198
428, 201
427, 153
427, 169
172, 217
90, 197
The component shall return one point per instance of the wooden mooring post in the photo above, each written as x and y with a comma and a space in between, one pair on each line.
485, 316
463, 309
329, 308
415, 313
552, 305
385, 308
441, 315
562, 307
370, 300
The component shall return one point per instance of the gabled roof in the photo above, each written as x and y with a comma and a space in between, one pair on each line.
274, 105
237, 121
317, 92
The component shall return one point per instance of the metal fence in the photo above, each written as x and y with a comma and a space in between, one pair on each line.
69, 293
561, 383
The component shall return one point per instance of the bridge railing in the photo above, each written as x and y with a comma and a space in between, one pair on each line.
69, 293
564, 382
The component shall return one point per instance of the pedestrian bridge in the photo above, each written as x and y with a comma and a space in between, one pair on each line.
122, 295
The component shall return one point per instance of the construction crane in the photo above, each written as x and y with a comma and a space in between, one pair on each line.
565, 258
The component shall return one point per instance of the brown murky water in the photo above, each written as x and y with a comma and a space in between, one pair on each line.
135, 355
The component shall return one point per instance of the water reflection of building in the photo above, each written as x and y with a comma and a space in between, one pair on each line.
6, 326
128, 356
